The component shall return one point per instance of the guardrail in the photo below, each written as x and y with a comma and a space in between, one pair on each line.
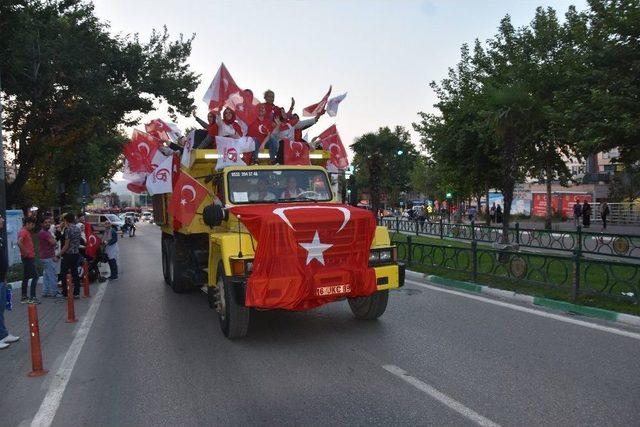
574, 273
586, 242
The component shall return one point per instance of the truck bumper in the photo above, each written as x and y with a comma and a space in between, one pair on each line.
390, 276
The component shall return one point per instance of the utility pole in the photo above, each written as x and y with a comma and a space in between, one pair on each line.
3, 190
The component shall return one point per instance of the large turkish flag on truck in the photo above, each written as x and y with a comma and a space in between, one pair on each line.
307, 256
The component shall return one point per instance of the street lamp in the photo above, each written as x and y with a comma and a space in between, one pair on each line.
400, 152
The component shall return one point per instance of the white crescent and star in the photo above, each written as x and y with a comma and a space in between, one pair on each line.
262, 130
291, 142
192, 190
146, 148
281, 213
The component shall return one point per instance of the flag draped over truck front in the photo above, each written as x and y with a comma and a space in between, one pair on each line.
308, 255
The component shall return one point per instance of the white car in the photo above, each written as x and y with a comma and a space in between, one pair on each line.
147, 216
97, 221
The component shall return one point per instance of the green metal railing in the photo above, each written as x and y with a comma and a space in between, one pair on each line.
573, 273
587, 242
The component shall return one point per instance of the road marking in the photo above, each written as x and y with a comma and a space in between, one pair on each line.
440, 397
51, 402
531, 311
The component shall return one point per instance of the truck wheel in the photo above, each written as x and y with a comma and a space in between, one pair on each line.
234, 318
165, 260
371, 307
176, 263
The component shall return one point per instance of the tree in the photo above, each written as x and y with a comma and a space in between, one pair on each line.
428, 178
383, 162
69, 85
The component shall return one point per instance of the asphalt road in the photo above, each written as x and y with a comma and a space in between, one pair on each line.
153, 357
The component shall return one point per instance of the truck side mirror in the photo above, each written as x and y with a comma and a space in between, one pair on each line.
213, 215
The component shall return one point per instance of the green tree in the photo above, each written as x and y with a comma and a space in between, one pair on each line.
383, 162
67, 87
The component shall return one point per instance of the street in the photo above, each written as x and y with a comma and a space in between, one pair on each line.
153, 357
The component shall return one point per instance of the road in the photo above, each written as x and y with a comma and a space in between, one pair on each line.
152, 357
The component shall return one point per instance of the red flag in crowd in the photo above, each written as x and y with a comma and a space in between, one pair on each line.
140, 151
295, 152
188, 194
220, 89
93, 241
331, 142
245, 105
315, 109
164, 131
136, 187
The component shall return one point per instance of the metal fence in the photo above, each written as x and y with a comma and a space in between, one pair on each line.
572, 273
619, 213
586, 242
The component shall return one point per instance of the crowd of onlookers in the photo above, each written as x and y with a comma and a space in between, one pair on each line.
61, 245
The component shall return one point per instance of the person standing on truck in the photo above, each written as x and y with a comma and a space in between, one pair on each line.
227, 124
110, 238
212, 129
260, 130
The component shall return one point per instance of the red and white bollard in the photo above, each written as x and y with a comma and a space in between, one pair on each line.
71, 309
85, 279
36, 352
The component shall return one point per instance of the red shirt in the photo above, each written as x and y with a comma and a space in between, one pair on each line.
27, 243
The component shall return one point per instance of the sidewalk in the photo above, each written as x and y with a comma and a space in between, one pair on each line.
20, 395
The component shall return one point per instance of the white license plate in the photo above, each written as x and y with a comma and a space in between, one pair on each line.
333, 290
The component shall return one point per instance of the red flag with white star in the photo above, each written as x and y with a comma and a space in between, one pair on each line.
308, 255
188, 195
331, 142
221, 88
295, 152
93, 241
141, 151
315, 109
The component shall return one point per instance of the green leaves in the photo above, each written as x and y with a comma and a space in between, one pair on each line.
69, 85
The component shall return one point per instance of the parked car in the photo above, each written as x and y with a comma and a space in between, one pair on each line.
97, 221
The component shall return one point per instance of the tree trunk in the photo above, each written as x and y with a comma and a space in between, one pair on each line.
549, 176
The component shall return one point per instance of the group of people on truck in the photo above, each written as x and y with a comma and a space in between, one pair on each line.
272, 125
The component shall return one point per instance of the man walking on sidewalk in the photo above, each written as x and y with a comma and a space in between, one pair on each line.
5, 337
47, 248
28, 255
577, 212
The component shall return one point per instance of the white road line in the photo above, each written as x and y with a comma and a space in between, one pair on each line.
531, 311
440, 397
51, 402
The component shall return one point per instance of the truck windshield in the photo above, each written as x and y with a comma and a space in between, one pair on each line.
287, 185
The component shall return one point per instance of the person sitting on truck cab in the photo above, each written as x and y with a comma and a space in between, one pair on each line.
292, 190
227, 124
212, 129
261, 194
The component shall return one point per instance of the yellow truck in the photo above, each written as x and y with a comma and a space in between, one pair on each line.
264, 259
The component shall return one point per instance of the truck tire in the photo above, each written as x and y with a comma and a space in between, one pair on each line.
371, 307
234, 318
165, 260
176, 263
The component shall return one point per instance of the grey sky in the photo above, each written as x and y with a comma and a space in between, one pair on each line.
384, 53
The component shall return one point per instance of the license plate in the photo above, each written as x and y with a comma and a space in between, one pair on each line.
333, 290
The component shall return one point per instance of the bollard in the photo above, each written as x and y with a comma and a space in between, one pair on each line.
85, 279
36, 353
71, 309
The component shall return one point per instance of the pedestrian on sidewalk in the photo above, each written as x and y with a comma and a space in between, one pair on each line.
492, 213
5, 337
586, 214
28, 255
110, 238
499, 214
577, 212
47, 253
604, 212
70, 253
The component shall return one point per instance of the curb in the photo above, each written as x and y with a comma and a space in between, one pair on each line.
19, 283
539, 301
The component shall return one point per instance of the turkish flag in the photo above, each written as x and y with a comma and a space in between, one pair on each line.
136, 187
159, 181
246, 107
230, 150
140, 151
295, 152
308, 255
93, 241
164, 131
221, 88
315, 109
331, 142
188, 195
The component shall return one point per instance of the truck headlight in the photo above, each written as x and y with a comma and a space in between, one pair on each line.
382, 256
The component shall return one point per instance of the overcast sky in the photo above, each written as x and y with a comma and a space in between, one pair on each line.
383, 52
